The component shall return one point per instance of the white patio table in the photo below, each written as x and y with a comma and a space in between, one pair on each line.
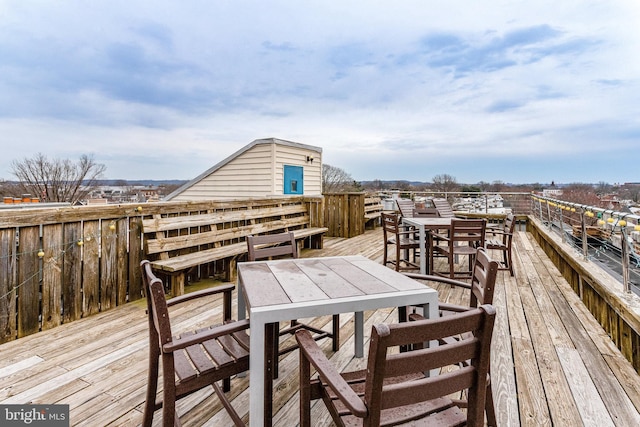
281, 290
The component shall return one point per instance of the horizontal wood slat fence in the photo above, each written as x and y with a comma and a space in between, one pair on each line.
61, 264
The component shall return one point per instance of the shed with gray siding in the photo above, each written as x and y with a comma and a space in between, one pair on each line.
266, 167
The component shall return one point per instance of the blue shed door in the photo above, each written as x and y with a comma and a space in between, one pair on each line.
293, 179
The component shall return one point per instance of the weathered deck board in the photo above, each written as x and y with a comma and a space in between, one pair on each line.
552, 363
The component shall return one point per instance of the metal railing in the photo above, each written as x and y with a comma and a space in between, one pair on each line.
499, 203
608, 237
612, 237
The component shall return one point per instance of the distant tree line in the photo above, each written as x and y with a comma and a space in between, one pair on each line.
61, 180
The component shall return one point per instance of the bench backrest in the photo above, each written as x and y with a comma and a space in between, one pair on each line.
372, 205
168, 236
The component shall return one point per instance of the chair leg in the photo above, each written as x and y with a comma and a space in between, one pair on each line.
384, 256
431, 263
510, 262
152, 389
237, 421
336, 332
169, 417
490, 408
452, 265
305, 392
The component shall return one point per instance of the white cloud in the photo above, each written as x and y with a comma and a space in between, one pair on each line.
161, 89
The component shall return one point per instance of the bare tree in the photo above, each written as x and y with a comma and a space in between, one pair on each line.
57, 180
336, 180
581, 193
603, 188
445, 183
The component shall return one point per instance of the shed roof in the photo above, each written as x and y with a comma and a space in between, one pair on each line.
237, 154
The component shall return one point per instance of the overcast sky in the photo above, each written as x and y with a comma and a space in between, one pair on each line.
491, 90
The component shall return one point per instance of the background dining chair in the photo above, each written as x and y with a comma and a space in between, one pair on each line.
190, 361
393, 388
409, 209
481, 288
402, 239
481, 291
501, 240
270, 246
406, 207
463, 238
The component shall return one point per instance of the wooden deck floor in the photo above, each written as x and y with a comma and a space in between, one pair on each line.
552, 364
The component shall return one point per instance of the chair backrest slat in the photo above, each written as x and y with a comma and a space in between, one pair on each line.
159, 323
271, 245
406, 207
444, 208
381, 364
483, 280
468, 230
509, 228
390, 223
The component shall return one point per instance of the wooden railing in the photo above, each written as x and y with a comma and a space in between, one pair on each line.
617, 311
61, 264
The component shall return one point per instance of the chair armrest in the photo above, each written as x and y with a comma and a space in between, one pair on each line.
498, 231
314, 354
438, 236
431, 278
454, 308
206, 335
201, 293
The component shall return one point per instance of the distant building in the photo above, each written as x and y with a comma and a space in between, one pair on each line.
552, 192
97, 201
265, 167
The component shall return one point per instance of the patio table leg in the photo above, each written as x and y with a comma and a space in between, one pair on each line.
359, 334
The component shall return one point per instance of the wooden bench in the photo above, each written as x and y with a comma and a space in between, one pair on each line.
177, 244
372, 209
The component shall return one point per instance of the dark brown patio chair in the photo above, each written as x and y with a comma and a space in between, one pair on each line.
403, 240
194, 360
463, 238
482, 284
393, 389
481, 290
270, 246
501, 241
